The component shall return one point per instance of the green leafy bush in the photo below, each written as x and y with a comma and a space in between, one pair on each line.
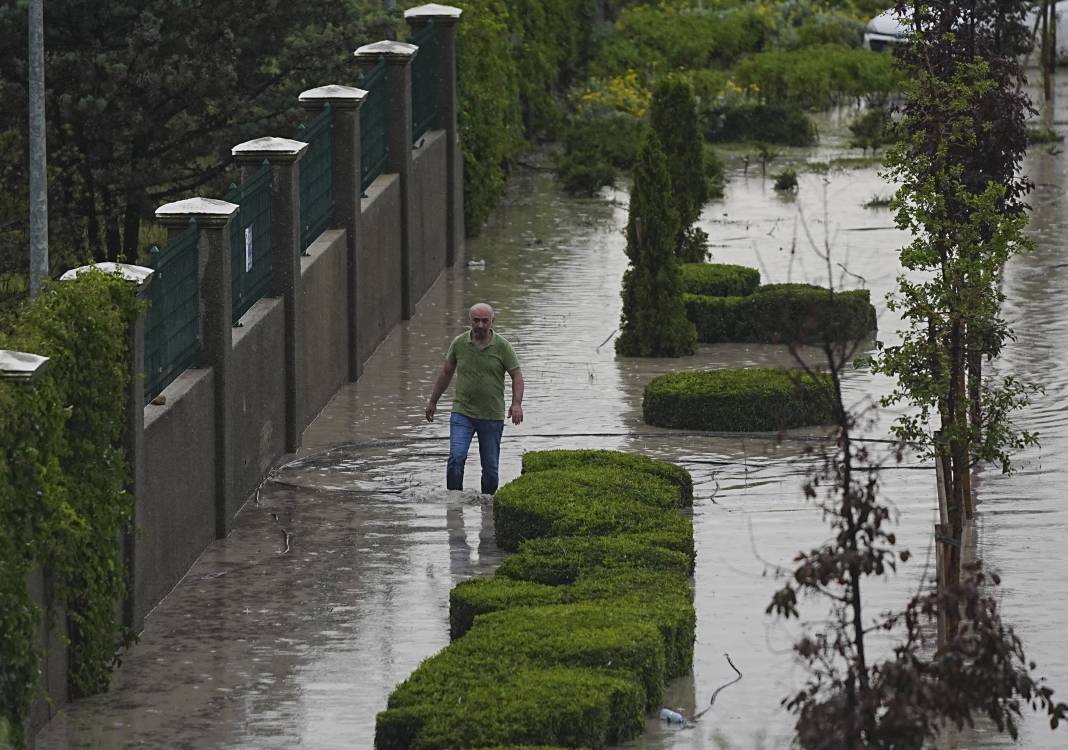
786, 181
567, 706
560, 560
872, 129
754, 399
657, 39
562, 502
514, 56
783, 313
719, 279
63, 505
784, 124
615, 460
662, 595
817, 77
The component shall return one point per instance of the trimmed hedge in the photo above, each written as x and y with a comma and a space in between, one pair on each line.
567, 706
719, 279
575, 637
783, 313
586, 458
584, 502
562, 560
754, 399
662, 596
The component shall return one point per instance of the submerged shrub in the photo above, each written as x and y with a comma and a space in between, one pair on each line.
616, 460
787, 125
754, 399
783, 314
786, 181
561, 502
574, 638
719, 279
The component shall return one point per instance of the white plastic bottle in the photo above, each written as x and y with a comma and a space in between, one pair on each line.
672, 717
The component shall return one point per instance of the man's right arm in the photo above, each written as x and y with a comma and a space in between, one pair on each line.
441, 382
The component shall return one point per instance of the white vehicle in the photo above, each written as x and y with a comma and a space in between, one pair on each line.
888, 29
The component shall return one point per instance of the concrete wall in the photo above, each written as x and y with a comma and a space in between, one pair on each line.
325, 299
379, 249
175, 518
258, 411
429, 244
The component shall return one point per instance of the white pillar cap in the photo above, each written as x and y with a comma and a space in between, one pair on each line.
434, 11
387, 49
270, 148
21, 366
129, 272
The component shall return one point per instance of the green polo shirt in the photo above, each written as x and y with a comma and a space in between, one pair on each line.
480, 375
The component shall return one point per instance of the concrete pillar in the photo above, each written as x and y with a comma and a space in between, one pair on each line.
345, 103
134, 434
445, 18
398, 86
283, 154
213, 217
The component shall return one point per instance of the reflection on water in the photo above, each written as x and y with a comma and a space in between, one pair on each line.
259, 648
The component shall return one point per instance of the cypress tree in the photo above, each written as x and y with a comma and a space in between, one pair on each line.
654, 322
673, 116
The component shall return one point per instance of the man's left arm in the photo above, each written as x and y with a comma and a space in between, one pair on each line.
515, 411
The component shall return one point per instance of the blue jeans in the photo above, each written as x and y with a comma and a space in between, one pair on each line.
461, 430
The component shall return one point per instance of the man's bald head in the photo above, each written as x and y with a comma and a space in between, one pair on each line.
481, 316
482, 310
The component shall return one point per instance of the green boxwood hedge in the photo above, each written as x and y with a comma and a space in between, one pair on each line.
584, 502
566, 706
782, 313
753, 399
719, 279
586, 458
560, 560
573, 640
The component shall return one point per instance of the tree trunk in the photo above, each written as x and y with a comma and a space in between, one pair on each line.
131, 230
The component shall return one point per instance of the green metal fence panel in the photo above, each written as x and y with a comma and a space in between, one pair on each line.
373, 147
424, 90
172, 323
250, 242
316, 177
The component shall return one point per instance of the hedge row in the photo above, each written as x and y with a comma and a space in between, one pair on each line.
782, 313
719, 279
63, 504
572, 641
753, 399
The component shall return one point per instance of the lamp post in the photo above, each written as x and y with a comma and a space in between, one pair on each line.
38, 155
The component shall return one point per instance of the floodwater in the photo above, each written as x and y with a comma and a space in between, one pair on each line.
334, 584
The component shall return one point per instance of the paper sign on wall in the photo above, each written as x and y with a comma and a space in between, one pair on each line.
248, 248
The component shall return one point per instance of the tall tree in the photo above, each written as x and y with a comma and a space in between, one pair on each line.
962, 199
654, 322
673, 116
146, 97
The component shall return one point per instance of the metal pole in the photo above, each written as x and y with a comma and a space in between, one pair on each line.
38, 156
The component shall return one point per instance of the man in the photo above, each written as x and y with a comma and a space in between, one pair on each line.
479, 357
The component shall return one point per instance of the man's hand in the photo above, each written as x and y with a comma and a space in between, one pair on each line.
515, 412
431, 408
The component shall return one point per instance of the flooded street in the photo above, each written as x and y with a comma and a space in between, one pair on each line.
334, 584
